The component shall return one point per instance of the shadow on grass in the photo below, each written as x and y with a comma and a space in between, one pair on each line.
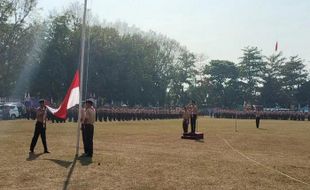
65, 187
83, 160
33, 156
262, 129
62, 163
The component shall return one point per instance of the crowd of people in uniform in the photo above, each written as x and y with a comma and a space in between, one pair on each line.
90, 115
109, 113
252, 114
117, 113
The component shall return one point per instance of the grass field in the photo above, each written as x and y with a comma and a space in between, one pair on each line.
151, 155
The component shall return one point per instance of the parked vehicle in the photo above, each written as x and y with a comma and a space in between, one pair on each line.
13, 110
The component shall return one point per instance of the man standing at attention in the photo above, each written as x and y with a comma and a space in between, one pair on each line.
193, 116
40, 127
185, 117
257, 118
88, 120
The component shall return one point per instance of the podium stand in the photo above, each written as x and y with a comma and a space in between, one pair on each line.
193, 136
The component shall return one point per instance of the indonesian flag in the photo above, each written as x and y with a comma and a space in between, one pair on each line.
71, 99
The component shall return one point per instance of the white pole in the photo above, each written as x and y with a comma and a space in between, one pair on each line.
88, 57
81, 77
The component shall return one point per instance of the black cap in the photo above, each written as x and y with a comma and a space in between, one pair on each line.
41, 101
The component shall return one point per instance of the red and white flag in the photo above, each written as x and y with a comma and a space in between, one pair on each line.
71, 99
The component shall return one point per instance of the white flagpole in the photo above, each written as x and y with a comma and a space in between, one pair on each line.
88, 57
81, 77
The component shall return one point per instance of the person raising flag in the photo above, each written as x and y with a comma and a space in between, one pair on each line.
40, 128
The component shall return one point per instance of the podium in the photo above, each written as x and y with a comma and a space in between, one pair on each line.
193, 136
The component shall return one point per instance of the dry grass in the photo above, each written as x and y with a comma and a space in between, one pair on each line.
151, 155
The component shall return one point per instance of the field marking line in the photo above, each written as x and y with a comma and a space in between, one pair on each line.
258, 163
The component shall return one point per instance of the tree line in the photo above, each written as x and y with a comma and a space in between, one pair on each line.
40, 56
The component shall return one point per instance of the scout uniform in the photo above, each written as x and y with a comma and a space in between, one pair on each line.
89, 118
40, 128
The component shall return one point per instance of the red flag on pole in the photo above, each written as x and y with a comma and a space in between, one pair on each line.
71, 99
276, 47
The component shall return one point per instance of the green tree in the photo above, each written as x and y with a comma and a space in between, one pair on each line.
183, 76
294, 75
303, 94
60, 58
16, 40
221, 72
223, 76
272, 93
251, 67
164, 67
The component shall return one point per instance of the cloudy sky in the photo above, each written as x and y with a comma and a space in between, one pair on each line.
217, 29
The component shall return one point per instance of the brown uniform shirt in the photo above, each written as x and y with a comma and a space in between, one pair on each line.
41, 114
90, 116
186, 115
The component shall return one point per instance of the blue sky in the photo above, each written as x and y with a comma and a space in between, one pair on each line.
219, 29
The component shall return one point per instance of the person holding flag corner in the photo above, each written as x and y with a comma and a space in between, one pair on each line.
40, 127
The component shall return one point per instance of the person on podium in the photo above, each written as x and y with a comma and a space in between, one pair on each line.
193, 116
185, 117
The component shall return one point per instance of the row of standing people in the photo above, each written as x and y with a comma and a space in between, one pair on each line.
108, 114
275, 115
